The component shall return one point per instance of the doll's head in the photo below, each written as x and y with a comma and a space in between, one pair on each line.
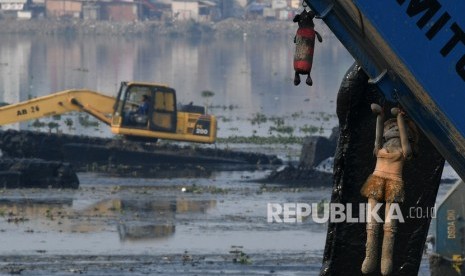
305, 19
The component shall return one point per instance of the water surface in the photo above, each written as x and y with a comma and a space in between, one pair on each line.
247, 75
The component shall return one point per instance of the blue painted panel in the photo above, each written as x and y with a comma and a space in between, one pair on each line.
442, 75
434, 71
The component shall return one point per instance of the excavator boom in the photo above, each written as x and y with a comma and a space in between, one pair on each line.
93, 103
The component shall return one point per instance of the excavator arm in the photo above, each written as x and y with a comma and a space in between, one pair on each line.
93, 103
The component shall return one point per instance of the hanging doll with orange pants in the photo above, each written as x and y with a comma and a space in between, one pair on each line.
393, 145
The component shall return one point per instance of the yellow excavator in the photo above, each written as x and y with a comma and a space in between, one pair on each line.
158, 118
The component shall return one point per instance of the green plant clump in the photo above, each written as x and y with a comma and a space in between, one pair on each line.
282, 129
259, 140
207, 94
258, 118
86, 122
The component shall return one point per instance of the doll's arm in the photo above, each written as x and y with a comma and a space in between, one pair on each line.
406, 149
379, 127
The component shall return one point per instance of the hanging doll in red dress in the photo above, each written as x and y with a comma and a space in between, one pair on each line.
304, 45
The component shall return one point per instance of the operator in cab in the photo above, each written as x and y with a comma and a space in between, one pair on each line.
143, 108
139, 116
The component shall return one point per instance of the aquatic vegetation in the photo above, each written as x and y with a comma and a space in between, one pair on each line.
239, 256
258, 118
69, 123
207, 94
53, 125
224, 119
224, 107
37, 124
259, 140
309, 129
297, 115
86, 121
200, 190
282, 129
279, 121
49, 214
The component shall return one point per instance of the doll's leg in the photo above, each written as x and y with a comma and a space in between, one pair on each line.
371, 254
390, 229
296, 79
309, 80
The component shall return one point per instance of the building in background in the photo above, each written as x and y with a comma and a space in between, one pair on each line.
119, 11
232, 8
12, 5
91, 11
274, 9
139, 10
15, 8
296, 4
63, 8
200, 11
37, 8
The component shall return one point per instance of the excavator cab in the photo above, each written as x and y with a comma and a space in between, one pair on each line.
149, 110
146, 106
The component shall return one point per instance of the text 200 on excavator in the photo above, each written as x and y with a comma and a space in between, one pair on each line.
161, 119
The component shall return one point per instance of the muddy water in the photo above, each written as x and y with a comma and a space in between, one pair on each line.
123, 225
150, 226
147, 226
147, 217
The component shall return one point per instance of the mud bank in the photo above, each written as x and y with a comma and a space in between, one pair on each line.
36, 173
298, 176
112, 155
183, 264
315, 150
